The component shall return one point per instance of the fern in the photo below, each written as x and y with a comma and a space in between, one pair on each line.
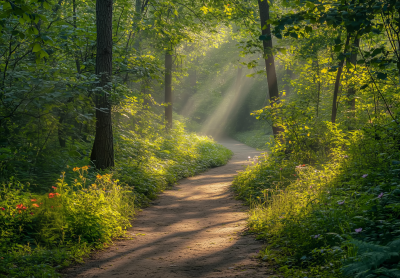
373, 260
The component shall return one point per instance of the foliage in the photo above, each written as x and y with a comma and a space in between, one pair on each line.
65, 223
253, 138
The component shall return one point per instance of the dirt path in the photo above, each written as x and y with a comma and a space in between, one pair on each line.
193, 230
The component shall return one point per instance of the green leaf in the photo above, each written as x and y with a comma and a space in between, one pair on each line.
46, 5
382, 75
43, 54
36, 47
308, 29
337, 48
282, 50
363, 87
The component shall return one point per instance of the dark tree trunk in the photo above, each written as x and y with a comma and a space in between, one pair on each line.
137, 18
61, 133
269, 58
351, 93
168, 89
337, 83
103, 147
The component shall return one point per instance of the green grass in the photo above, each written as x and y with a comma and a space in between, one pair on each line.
254, 138
330, 208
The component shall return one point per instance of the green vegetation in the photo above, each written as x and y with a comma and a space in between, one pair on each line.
45, 232
95, 97
254, 138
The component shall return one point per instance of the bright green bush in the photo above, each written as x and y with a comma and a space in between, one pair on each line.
84, 209
312, 201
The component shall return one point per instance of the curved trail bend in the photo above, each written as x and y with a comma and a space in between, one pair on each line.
193, 230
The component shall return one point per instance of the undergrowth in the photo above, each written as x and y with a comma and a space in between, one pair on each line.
327, 201
44, 229
254, 138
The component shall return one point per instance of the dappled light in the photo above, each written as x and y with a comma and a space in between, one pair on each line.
192, 138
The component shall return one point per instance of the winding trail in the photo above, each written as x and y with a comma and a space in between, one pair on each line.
194, 230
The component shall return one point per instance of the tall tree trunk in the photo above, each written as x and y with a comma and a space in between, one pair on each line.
103, 147
61, 133
337, 83
168, 89
137, 18
269, 58
352, 90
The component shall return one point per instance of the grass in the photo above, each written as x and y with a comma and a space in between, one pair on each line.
254, 138
335, 215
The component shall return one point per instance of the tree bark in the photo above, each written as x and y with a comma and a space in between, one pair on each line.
168, 89
269, 58
337, 83
352, 90
103, 147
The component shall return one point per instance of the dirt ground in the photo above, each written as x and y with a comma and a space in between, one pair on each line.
194, 230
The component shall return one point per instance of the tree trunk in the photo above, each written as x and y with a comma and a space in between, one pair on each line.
337, 83
103, 147
269, 58
61, 133
352, 90
137, 18
168, 89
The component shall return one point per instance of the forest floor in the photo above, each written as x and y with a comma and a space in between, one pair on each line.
196, 229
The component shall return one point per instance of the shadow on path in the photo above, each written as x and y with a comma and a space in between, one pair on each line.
193, 230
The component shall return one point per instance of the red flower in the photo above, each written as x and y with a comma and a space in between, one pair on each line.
33, 200
35, 205
57, 194
52, 207
3, 209
31, 213
55, 188
20, 206
51, 195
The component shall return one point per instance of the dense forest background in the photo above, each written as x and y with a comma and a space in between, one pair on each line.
119, 97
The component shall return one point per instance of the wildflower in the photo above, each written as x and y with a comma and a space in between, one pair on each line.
75, 169
33, 200
280, 169
57, 194
249, 157
310, 186
31, 213
346, 156
52, 207
364, 176
358, 230
20, 206
51, 195
84, 168
304, 165
94, 185
294, 174
98, 176
316, 236
3, 209
35, 205
380, 195
340, 202
55, 188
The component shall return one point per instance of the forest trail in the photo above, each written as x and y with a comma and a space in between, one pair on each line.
194, 230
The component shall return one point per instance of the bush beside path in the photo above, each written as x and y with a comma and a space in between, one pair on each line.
194, 230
